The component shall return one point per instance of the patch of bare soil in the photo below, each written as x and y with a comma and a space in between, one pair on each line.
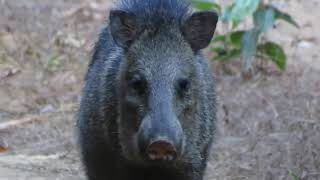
268, 127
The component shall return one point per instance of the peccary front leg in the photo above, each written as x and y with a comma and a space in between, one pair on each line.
97, 158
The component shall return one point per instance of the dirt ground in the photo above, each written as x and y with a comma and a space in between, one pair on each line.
268, 127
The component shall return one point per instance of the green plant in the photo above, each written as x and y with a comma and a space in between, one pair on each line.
248, 43
294, 176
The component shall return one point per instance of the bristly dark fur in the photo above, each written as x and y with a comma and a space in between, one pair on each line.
157, 12
156, 41
153, 14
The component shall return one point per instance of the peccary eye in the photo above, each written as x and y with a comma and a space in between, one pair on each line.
183, 85
138, 85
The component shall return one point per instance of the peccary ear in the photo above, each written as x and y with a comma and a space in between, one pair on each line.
199, 29
124, 28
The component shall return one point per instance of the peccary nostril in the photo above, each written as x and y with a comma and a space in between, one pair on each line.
161, 150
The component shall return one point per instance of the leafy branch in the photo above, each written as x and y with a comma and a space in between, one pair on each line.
247, 44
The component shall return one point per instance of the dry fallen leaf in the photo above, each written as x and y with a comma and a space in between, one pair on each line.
9, 73
3, 149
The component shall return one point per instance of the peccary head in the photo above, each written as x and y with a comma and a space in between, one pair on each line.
158, 83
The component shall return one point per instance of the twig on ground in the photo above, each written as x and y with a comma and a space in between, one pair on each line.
18, 122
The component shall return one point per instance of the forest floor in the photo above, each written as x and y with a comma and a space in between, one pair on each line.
268, 126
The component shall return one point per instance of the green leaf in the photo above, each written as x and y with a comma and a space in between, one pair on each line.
235, 24
206, 5
227, 14
220, 51
227, 17
294, 176
228, 56
249, 46
275, 53
219, 38
233, 39
264, 19
240, 10
286, 17
236, 39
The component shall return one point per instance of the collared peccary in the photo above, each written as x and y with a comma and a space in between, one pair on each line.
148, 106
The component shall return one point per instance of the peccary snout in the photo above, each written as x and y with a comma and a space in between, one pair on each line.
161, 150
161, 136
165, 145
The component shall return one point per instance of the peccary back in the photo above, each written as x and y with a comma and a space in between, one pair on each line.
148, 105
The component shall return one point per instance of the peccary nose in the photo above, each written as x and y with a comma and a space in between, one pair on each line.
161, 150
